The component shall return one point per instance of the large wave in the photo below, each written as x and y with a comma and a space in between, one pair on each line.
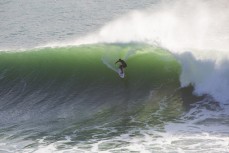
57, 81
196, 32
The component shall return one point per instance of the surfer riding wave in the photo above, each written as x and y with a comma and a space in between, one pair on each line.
122, 65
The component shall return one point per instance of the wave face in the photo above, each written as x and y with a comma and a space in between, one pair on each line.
55, 81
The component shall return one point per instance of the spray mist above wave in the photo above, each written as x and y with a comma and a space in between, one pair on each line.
176, 25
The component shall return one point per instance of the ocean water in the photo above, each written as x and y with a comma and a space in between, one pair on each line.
60, 91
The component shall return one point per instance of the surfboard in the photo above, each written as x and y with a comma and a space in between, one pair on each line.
122, 75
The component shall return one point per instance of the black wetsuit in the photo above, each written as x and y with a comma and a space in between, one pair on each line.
124, 65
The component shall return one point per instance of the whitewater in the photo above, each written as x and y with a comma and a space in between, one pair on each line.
60, 92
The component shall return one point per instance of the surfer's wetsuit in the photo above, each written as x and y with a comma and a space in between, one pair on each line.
123, 64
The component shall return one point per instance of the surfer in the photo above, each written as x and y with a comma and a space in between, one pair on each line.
122, 65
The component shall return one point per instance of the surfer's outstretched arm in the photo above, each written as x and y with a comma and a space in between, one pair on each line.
118, 61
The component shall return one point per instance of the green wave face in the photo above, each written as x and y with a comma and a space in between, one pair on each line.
81, 79
92, 63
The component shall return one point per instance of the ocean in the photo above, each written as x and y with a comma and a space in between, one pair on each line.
60, 91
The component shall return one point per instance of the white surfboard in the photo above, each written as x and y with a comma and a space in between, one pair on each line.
122, 75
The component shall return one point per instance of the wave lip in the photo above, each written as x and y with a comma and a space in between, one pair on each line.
207, 74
